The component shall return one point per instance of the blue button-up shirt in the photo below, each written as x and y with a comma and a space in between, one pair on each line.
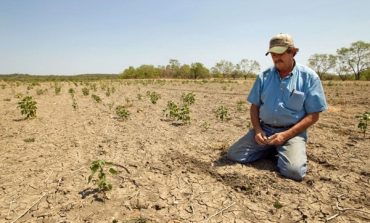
284, 102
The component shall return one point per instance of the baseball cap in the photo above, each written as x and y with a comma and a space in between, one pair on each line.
280, 43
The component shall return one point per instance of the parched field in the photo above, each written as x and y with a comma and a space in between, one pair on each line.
169, 172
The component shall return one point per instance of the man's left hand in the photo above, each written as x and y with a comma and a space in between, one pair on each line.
276, 139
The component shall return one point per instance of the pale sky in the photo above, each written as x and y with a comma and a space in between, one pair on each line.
66, 37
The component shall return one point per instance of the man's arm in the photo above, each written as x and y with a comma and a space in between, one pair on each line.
260, 136
307, 121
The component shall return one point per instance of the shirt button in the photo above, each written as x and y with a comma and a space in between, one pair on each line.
276, 110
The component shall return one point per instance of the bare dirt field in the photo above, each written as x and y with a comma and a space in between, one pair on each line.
169, 172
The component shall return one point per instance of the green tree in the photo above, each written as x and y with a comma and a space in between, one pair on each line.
129, 72
147, 71
198, 70
249, 67
356, 58
322, 63
172, 69
185, 71
224, 67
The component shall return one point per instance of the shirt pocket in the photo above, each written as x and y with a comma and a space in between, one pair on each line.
294, 100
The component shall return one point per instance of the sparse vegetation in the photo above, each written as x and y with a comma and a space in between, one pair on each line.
222, 113
96, 98
85, 91
179, 113
57, 89
154, 96
363, 122
240, 105
277, 205
29, 140
188, 98
122, 112
101, 181
28, 107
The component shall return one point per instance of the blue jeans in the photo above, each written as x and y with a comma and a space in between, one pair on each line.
292, 158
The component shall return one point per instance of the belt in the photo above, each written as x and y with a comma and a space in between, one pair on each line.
276, 126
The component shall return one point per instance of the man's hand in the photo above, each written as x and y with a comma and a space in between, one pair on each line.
260, 138
276, 139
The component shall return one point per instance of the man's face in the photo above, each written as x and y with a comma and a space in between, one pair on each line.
284, 61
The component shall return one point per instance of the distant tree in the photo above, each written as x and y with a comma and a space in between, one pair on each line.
343, 71
224, 67
215, 72
249, 67
322, 63
148, 71
173, 68
366, 75
185, 71
356, 58
198, 70
174, 64
129, 72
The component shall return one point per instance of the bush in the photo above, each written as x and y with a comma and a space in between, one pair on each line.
85, 91
28, 107
222, 113
178, 113
154, 96
122, 112
96, 98
188, 99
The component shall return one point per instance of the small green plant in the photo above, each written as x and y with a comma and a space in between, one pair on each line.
85, 91
277, 205
139, 97
188, 98
172, 110
205, 126
71, 91
28, 107
363, 121
39, 91
108, 92
29, 140
93, 87
101, 181
240, 105
96, 98
122, 112
222, 113
178, 113
154, 96
57, 89
74, 103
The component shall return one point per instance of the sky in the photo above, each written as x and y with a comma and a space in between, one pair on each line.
54, 37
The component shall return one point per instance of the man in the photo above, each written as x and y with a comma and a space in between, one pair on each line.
285, 100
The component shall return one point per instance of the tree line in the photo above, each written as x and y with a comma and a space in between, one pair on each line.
352, 63
348, 63
223, 69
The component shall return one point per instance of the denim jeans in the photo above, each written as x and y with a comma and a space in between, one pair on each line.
292, 158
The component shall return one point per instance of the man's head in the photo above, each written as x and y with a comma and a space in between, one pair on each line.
282, 52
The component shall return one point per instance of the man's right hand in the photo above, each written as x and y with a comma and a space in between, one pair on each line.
261, 138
